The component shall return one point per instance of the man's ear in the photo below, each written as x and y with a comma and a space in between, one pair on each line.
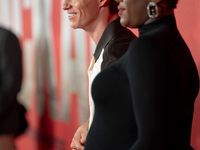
103, 3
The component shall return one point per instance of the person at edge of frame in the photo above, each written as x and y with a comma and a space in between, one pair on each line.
12, 113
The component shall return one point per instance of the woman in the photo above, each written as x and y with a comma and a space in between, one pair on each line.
145, 100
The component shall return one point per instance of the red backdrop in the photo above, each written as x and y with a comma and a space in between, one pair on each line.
55, 61
188, 21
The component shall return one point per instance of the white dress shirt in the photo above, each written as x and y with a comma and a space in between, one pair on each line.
93, 70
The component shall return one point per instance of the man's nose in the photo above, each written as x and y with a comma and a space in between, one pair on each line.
66, 4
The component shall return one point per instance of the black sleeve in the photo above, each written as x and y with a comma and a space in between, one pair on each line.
11, 112
147, 74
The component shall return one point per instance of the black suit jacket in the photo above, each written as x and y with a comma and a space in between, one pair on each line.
12, 120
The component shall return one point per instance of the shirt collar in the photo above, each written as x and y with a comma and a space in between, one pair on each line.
111, 30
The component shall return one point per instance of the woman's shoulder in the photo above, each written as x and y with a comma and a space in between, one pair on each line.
145, 47
144, 43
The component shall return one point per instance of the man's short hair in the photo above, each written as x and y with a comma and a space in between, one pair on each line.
172, 3
113, 7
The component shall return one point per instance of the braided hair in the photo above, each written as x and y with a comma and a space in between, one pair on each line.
172, 3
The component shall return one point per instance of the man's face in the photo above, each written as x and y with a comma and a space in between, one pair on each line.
81, 13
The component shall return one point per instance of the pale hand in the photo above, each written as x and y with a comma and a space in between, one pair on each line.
80, 135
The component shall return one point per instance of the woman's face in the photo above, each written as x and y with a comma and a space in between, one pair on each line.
81, 13
133, 13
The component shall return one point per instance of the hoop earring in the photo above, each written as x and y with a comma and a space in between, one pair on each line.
152, 10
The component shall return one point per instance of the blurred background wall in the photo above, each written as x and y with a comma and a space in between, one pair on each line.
55, 62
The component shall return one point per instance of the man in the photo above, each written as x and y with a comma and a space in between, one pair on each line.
12, 120
100, 20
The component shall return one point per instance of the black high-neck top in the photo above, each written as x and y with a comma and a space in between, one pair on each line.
145, 100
